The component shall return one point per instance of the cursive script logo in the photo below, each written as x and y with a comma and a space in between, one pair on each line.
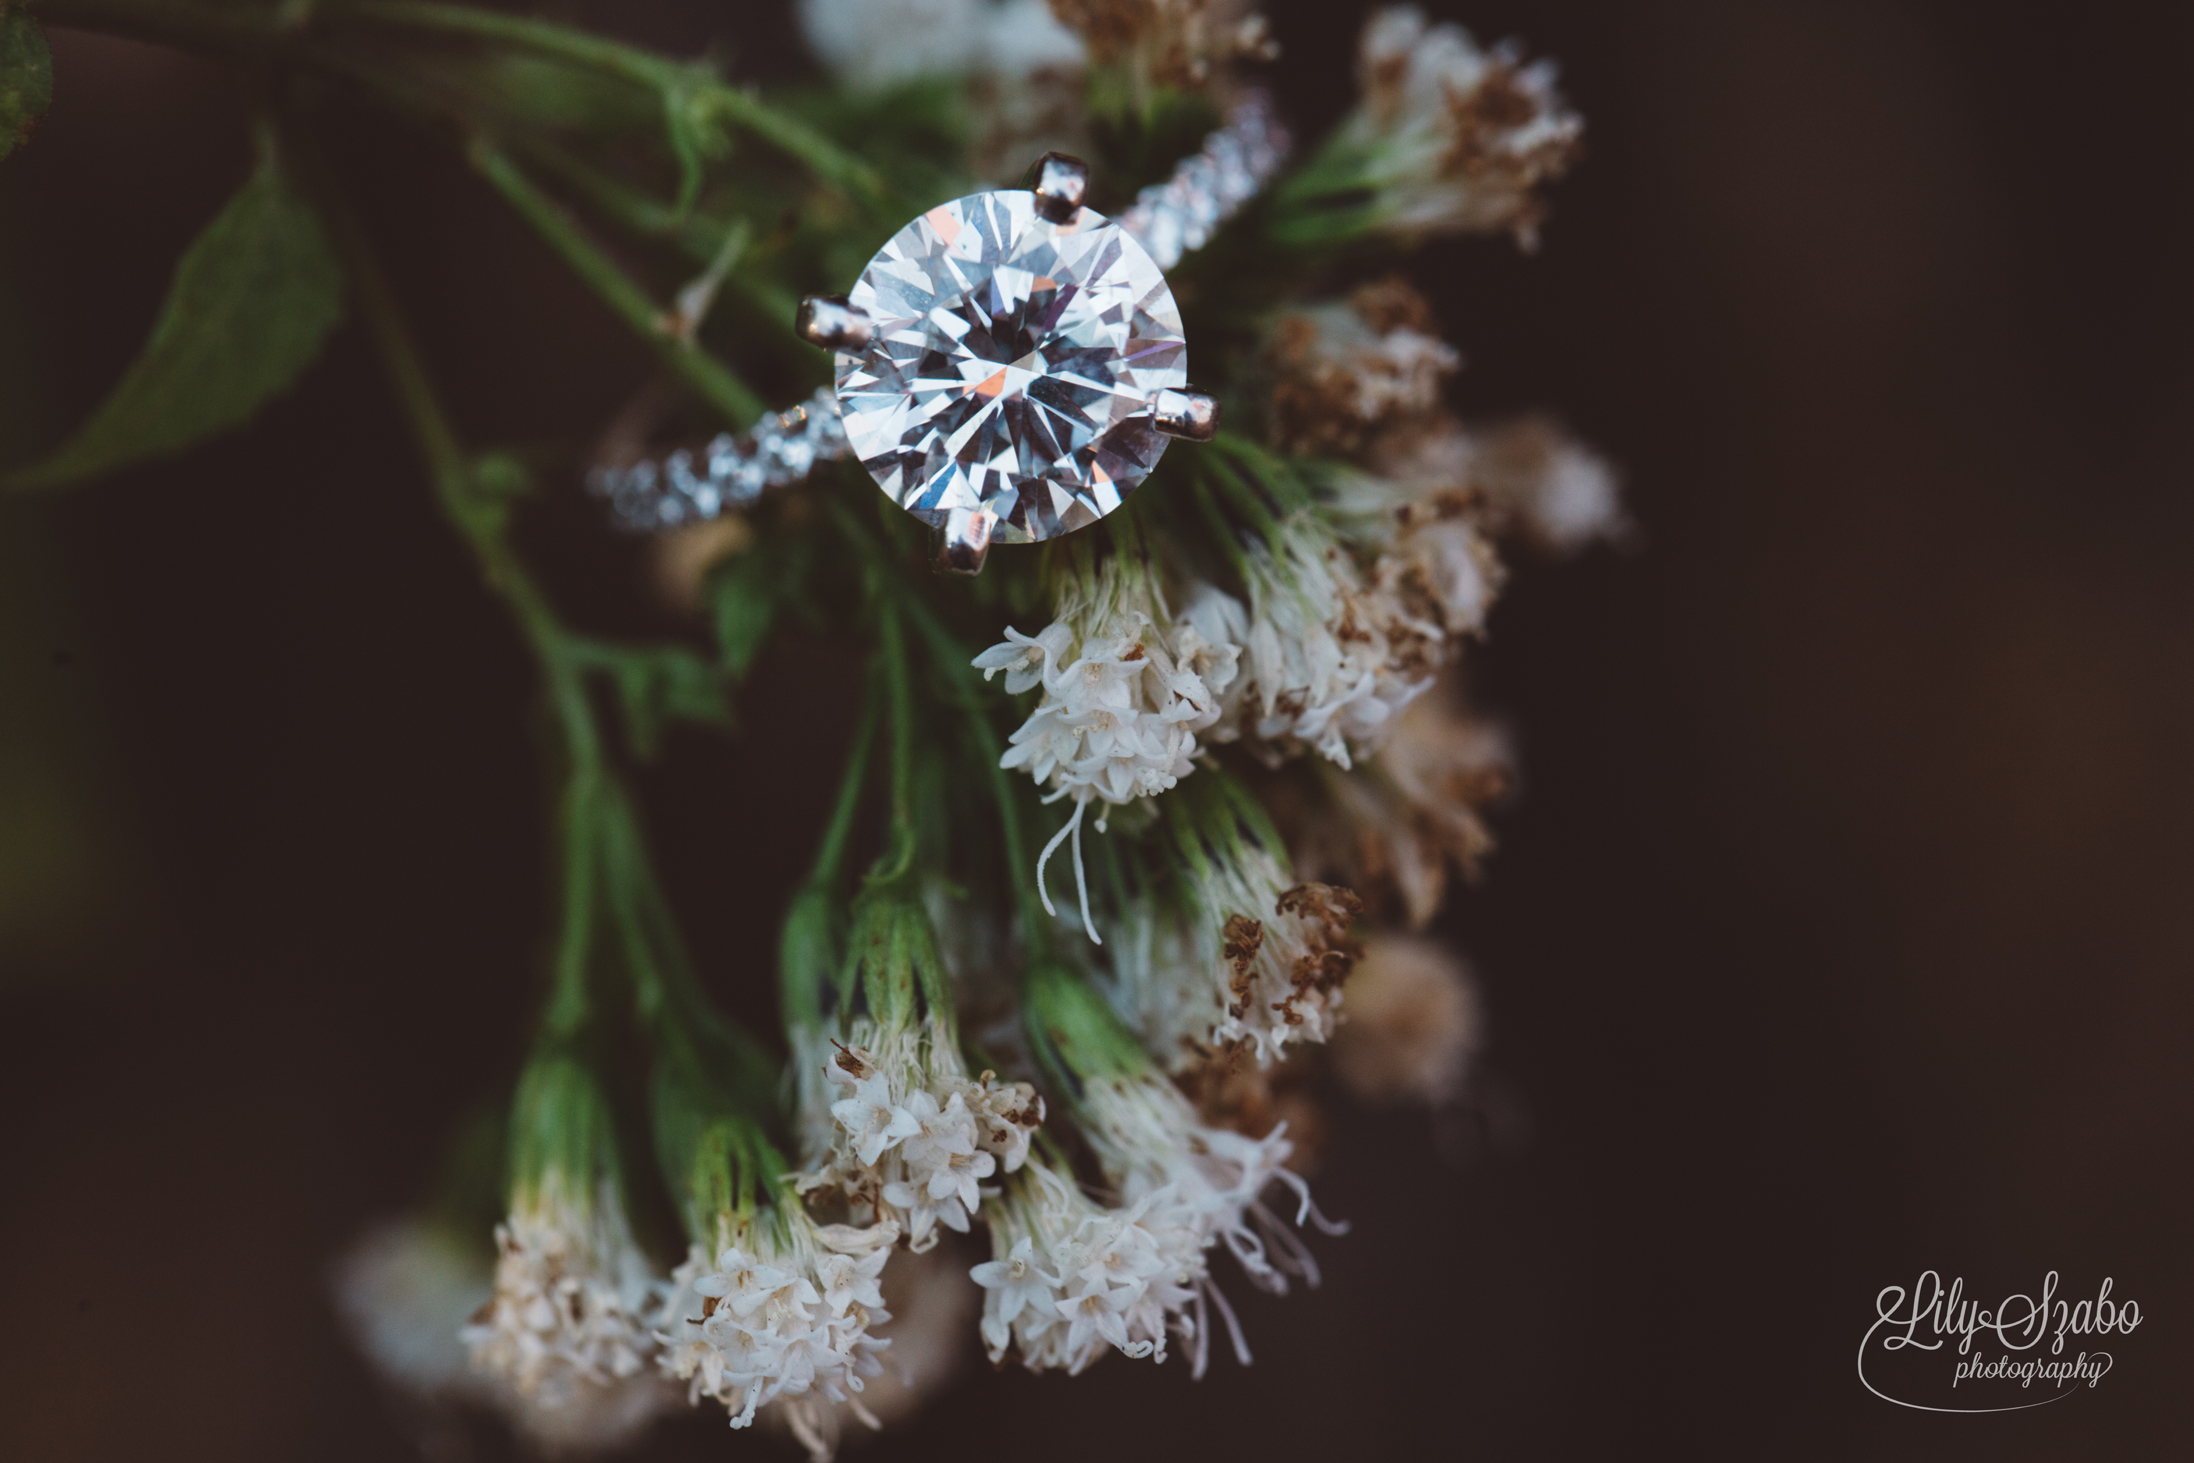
1913, 1327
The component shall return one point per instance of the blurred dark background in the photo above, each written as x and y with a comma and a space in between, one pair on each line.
1841, 931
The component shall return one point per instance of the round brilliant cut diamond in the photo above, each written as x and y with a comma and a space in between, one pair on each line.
1010, 366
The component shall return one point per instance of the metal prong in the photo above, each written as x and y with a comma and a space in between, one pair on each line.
1189, 415
1061, 184
832, 323
963, 542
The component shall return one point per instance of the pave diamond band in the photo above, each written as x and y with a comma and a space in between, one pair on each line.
1181, 214
731, 473
1022, 401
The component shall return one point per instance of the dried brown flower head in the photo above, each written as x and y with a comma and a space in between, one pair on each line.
1342, 372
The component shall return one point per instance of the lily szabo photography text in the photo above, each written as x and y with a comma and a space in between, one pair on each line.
1178, 728
2029, 1333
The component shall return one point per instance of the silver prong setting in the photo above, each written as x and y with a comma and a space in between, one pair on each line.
1062, 182
1189, 415
963, 542
834, 323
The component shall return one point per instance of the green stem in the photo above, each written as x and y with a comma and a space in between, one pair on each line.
954, 662
569, 1005
698, 236
703, 372
1274, 474
891, 650
677, 81
479, 519
832, 855
684, 1024
1245, 498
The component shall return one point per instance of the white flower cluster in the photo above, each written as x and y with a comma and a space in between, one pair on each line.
1332, 657
914, 1148
878, 43
1150, 1142
1172, 42
932, 1304
1211, 1181
1250, 962
1127, 686
1430, 555
1460, 135
1071, 1278
572, 1293
781, 1313
404, 1291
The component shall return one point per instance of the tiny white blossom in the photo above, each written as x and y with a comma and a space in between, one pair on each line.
872, 1120
1124, 695
1153, 1147
775, 1315
917, 1137
849, 1280
1071, 1280
1021, 1284
1332, 658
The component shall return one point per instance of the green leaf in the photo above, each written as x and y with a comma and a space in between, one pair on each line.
26, 76
254, 297
747, 590
746, 605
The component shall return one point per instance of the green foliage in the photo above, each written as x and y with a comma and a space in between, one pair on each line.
716, 1161
562, 1137
550, 91
1075, 1036
253, 300
26, 76
744, 594
657, 683
893, 970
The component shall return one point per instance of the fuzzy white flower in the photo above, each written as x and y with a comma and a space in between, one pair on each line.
572, 1292
1248, 961
930, 1301
873, 44
1211, 1181
915, 1136
1332, 657
1346, 369
872, 1122
1072, 1279
783, 1310
1126, 688
1457, 136
404, 1291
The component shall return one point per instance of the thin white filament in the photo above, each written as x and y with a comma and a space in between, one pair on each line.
1071, 829
1234, 1327
1044, 858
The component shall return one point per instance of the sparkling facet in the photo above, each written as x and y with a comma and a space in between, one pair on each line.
1011, 365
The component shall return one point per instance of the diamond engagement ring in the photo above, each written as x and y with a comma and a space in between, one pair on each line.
1009, 366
